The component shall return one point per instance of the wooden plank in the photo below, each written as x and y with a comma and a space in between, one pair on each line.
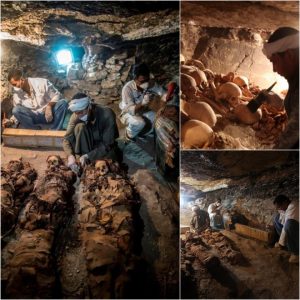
32, 138
184, 229
252, 232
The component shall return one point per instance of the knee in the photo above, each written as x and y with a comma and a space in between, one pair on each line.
61, 104
17, 110
138, 123
79, 128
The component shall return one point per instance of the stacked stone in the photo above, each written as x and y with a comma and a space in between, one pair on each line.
103, 81
28, 263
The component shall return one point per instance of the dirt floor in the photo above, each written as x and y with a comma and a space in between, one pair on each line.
266, 274
160, 233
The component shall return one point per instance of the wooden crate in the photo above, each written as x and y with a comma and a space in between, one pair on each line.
32, 138
255, 233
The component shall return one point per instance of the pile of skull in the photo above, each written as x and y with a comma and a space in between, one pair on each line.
207, 97
106, 229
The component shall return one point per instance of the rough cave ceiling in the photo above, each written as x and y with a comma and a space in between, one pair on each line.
45, 23
233, 164
217, 170
261, 15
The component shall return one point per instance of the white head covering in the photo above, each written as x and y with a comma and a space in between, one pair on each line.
79, 104
288, 42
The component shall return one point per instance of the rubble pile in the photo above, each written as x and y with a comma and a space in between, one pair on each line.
28, 264
107, 230
17, 181
210, 101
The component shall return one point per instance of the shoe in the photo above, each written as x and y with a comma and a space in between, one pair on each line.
294, 259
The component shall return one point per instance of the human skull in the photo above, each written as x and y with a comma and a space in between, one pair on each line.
54, 160
101, 167
242, 82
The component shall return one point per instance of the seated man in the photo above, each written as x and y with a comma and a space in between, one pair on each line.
91, 132
200, 220
289, 233
136, 95
36, 102
215, 216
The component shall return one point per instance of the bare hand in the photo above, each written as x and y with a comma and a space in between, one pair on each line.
48, 114
6, 123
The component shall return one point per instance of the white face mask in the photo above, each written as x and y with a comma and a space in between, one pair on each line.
84, 118
17, 89
144, 85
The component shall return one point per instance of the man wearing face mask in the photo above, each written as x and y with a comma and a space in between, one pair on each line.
36, 102
136, 95
91, 132
282, 49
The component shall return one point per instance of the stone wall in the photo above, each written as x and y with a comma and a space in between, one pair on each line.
250, 196
100, 76
226, 50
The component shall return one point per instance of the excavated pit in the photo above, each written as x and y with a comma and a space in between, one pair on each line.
223, 38
226, 264
107, 39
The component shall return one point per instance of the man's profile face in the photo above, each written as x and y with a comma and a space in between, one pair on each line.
18, 83
279, 65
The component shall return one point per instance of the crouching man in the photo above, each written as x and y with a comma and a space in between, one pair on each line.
287, 226
200, 220
36, 102
91, 133
136, 96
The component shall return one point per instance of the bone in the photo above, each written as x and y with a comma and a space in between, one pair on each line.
241, 81
188, 85
182, 59
200, 111
106, 229
196, 135
196, 63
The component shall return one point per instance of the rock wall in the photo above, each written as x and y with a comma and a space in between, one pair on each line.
101, 79
229, 36
250, 196
226, 50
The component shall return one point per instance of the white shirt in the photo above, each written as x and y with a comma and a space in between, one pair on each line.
292, 212
131, 96
42, 92
213, 208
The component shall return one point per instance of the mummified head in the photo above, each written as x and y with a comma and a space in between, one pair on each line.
54, 160
102, 167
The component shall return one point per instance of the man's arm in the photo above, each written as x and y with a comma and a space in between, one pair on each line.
53, 94
110, 133
69, 136
290, 135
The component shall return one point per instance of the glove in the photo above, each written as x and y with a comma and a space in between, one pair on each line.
48, 114
146, 99
83, 159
